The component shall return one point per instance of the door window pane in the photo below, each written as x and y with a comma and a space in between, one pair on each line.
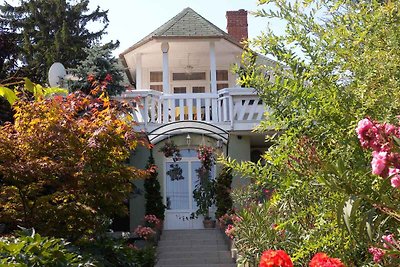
177, 185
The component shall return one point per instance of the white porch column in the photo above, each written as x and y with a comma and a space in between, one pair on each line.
213, 69
165, 102
164, 49
139, 71
213, 80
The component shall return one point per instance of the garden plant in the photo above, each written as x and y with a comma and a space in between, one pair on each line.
336, 66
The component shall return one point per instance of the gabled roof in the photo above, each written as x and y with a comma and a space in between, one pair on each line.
187, 24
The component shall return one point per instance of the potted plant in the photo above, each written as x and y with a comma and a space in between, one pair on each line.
204, 192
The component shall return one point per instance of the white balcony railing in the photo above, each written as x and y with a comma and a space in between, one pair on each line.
229, 106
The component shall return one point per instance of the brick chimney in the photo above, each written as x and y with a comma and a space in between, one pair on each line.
237, 24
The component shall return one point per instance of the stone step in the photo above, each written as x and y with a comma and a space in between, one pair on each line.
193, 254
195, 247
191, 243
172, 235
192, 237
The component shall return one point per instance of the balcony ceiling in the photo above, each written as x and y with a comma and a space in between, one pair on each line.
182, 51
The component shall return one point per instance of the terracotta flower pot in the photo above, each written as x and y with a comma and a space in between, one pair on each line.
209, 224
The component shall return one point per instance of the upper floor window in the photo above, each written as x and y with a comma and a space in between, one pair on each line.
222, 79
193, 76
156, 80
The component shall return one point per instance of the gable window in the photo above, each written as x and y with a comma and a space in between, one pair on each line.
183, 76
156, 80
222, 79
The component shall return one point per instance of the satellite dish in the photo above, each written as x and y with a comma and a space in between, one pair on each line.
57, 73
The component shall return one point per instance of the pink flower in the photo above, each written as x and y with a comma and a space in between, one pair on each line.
379, 163
377, 253
395, 180
390, 129
366, 132
230, 230
395, 177
387, 239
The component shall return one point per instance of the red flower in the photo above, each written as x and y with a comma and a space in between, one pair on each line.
275, 258
108, 78
91, 78
322, 260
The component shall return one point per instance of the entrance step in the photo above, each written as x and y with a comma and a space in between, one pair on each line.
193, 248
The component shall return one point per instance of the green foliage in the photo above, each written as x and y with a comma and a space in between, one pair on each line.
63, 165
46, 31
31, 249
35, 250
145, 257
333, 71
109, 252
99, 63
154, 203
223, 199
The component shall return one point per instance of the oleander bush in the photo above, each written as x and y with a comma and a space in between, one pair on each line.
336, 65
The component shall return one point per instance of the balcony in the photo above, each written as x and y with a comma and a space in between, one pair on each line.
232, 109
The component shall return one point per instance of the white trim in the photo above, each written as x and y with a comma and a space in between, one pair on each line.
213, 68
139, 76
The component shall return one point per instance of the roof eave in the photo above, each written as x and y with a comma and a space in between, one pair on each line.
139, 44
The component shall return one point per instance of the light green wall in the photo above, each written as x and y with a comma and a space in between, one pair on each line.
239, 149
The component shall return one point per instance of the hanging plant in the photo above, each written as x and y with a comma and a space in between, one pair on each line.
170, 149
175, 172
206, 156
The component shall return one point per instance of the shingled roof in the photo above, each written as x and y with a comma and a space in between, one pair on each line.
187, 24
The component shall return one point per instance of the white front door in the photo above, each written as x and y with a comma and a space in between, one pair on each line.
180, 180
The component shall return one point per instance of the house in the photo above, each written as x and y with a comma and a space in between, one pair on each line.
189, 95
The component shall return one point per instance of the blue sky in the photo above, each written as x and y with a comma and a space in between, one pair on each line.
131, 20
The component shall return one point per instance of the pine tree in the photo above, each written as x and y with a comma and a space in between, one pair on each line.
100, 62
154, 204
8, 54
49, 31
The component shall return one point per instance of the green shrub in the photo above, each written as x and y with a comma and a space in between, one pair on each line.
223, 200
154, 204
31, 249
34, 250
109, 252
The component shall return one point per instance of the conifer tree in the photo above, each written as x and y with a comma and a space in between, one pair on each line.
101, 64
154, 204
49, 31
